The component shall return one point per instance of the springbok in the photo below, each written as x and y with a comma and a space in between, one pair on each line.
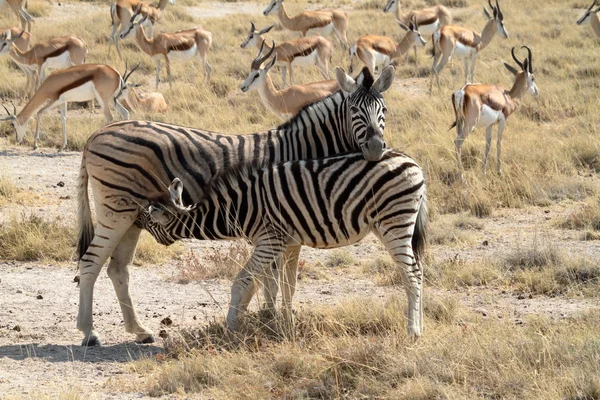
57, 53
429, 19
287, 101
18, 6
22, 43
153, 103
375, 50
122, 11
592, 18
479, 105
305, 51
181, 44
453, 40
78, 83
321, 22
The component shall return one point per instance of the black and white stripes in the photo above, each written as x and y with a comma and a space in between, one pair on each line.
322, 203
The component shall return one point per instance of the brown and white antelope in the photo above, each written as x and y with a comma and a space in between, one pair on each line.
591, 17
320, 22
78, 83
288, 101
479, 105
18, 6
375, 50
122, 11
179, 45
153, 103
306, 51
57, 53
22, 42
429, 19
455, 41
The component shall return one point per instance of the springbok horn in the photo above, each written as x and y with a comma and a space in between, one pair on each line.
530, 67
499, 11
252, 27
14, 109
491, 6
519, 63
593, 4
8, 112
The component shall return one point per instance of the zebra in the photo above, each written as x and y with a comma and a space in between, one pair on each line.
128, 162
322, 203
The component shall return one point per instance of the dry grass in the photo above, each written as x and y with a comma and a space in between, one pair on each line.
148, 251
217, 263
359, 350
585, 218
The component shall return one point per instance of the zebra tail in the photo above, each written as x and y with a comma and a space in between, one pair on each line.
84, 214
419, 237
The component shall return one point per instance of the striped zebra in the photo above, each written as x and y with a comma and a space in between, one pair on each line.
130, 161
321, 203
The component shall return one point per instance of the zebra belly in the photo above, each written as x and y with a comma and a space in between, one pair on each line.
183, 55
323, 31
58, 62
381, 58
84, 92
427, 30
462, 51
306, 60
488, 116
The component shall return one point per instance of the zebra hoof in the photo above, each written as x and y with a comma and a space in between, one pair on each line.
92, 340
145, 339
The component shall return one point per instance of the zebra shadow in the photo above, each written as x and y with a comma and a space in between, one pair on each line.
45, 153
122, 352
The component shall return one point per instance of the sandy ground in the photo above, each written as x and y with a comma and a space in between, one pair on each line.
39, 345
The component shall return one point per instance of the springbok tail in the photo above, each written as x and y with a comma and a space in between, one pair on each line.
458, 100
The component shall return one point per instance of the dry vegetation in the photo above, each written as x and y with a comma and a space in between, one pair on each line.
358, 349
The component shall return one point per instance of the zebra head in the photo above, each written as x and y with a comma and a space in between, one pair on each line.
366, 109
163, 210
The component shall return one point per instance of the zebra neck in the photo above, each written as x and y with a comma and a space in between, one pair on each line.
318, 130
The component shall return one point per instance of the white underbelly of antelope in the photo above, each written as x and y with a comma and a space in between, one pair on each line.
429, 29
381, 58
184, 54
59, 62
323, 31
488, 116
462, 51
305, 61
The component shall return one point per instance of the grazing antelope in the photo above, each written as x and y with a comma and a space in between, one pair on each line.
57, 53
455, 41
592, 18
286, 101
122, 11
375, 50
305, 51
429, 19
78, 83
180, 44
321, 22
148, 102
22, 43
478, 105
18, 6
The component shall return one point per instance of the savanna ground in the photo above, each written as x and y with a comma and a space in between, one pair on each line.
512, 272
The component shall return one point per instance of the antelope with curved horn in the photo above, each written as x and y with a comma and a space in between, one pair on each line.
122, 11
181, 44
455, 41
429, 19
57, 53
22, 42
592, 18
287, 101
18, 7
78, 83
479, 105
321, 22
375, 50
306, 51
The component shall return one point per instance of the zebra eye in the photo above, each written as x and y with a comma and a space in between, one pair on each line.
384, 110
354, 109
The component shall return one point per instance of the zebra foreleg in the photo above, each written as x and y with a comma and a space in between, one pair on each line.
288, 286
118, 271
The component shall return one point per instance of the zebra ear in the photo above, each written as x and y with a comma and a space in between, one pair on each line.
176, 191
385, 80
345, 81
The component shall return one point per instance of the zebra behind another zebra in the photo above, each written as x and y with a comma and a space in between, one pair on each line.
322, 203
129, 162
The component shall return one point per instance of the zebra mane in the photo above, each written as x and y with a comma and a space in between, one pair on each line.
293, 121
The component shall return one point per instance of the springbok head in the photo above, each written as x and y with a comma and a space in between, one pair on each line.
258, 73
412, 29
526, 72
498, 18
253, 35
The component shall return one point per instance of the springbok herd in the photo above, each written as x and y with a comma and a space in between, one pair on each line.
324, 178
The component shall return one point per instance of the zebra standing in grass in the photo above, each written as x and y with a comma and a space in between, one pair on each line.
323, 203
129, 162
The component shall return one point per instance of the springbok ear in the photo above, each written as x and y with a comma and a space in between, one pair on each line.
265, 30
176, 191
402, 25
487, 13
271, 63
345, 81
385, 80
510, 68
